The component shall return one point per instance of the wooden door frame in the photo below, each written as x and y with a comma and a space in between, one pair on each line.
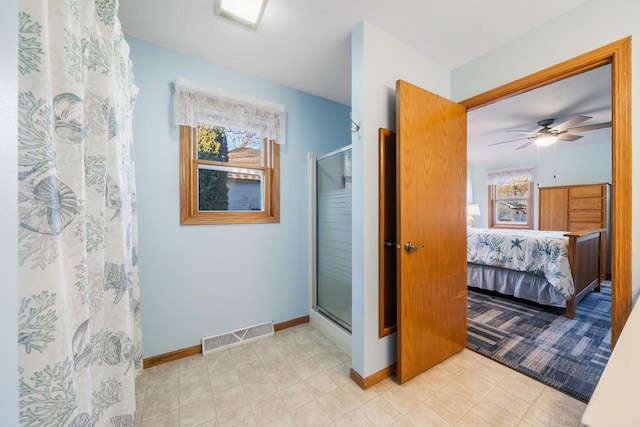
618, 54
385, 166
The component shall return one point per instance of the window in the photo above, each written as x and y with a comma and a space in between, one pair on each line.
511, 198
229, 155
228, 176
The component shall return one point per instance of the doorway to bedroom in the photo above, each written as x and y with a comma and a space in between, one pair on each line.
617, 57
618, 54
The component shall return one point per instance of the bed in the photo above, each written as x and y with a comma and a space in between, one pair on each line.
551, 268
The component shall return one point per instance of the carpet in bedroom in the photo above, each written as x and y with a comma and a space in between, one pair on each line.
566, 354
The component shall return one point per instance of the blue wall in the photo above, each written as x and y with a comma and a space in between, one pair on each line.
8, 212
198, 281
562, 164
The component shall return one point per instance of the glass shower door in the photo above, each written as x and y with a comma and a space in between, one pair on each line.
333, 242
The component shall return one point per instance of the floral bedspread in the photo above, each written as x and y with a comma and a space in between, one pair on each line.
544, 253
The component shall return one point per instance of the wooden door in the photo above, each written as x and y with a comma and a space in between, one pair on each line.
431, 200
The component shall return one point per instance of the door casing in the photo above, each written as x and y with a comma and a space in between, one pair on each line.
618, 54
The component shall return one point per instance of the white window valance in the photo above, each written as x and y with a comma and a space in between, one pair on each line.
195, 104
511, 175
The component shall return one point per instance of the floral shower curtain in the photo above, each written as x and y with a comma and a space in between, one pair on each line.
78, 309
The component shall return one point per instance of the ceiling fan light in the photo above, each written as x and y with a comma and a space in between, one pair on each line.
245, 12
543, 141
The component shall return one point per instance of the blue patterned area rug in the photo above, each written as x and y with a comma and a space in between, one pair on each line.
566, 354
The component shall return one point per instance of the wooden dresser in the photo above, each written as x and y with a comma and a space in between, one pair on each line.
576, 208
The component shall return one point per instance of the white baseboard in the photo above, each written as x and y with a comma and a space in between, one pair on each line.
336, 334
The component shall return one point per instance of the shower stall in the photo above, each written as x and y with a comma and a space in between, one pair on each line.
332, 293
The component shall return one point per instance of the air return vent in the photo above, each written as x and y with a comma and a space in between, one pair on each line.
232, 339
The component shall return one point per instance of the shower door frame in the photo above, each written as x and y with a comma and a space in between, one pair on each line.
314, 214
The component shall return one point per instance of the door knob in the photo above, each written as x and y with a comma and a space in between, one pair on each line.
408, 247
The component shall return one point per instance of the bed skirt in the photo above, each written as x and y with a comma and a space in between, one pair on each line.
515, 283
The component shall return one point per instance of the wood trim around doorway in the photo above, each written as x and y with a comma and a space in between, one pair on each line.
387, 271
618, 54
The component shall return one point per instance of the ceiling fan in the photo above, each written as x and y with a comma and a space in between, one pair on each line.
547, 135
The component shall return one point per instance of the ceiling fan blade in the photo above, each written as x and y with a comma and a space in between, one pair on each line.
571, 122
590, 127
568, 137
522, 131
526, 144
511, 140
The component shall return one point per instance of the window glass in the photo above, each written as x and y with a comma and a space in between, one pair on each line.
228, 176
224, 189
511, 204
245, 148
516, 190
511, 212
212, 144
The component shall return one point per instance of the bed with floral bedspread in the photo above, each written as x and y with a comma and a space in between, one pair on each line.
534, 265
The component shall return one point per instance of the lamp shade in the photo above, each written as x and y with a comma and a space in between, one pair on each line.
473, 210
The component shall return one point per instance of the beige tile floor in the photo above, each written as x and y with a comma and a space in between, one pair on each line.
300, 378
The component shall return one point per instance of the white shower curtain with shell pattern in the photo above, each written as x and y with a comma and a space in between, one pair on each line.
78, 309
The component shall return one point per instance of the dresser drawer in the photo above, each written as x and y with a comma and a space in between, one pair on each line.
587, 191
583, 226
587, 203
595, 216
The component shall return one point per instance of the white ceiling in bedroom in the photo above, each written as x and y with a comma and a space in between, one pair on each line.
586, 94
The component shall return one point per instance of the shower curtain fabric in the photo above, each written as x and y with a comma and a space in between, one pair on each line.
78, 309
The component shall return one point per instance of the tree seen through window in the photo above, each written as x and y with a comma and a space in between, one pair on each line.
212, 184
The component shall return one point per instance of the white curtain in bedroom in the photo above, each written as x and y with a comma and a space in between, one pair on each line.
511, 175
78, 309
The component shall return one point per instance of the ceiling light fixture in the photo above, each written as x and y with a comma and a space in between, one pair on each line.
544, 140
244, 12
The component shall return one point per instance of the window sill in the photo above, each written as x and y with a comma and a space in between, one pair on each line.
260, 218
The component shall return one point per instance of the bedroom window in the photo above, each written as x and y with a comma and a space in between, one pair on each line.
228, 176
511, 198
229, 156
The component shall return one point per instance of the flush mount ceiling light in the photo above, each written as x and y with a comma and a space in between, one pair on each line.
544, 140
244, 12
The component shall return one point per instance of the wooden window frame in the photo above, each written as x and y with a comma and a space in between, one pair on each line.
189, 213
492, 207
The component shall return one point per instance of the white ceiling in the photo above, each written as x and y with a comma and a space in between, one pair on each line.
306, 45
587, 94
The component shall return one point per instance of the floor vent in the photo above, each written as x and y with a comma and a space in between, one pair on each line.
232, 339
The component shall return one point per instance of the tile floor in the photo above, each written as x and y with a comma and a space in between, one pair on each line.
300, 378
